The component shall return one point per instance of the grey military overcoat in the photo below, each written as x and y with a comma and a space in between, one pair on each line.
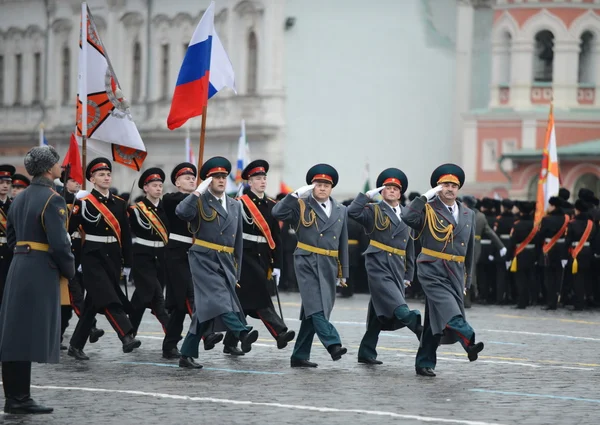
386, 271
443, 281
30, 313
317, 274
214, 273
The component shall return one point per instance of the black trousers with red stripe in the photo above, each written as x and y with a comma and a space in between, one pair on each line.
114, 314
77, 300
274, 324
174, 326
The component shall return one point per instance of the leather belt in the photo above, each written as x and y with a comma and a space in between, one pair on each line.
146, 242
486, 242
3, 239
561, 240
352, 241
101, 239
387, 248
181, 238
316, 250
254, 238
34, 246
443, 255
214, 246
577, 242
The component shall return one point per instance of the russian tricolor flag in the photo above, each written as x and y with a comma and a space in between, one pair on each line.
206, 69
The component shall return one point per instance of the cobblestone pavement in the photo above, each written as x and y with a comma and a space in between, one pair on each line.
537, 368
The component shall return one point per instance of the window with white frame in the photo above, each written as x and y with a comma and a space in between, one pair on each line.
543, 60
252, 63
164, 71
489, 155
586, 59
18, 78
508, 146
37, 77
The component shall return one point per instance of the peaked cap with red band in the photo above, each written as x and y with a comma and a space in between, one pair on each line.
322, 172
447, 173
6, 172
154, 174
215, 165
19, 180
185, 168
393, 176
260, 167
97, 164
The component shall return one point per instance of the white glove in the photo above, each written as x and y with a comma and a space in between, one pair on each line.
491, 257
126, 272
432, 192
79, 269
276, 273
407, 283
341, 282
563, 263
371, 193
503, 251
508, 264
303, 190
203, 186
82, 194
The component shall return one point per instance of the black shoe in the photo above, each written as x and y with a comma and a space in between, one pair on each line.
234, 351
284, 338
95, 335
26, 407
247, 339
211, 340
549, 307
369, 360
301, 363
189, 363
171, 354
63, 347
77, 353
336, 351
129, 343
425, 371
473, 351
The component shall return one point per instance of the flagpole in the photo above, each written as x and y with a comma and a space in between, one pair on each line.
83, 91
202, 136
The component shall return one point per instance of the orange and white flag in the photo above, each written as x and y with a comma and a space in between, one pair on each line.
549, 180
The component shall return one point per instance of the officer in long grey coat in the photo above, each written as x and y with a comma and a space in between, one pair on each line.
446, 229
30, 313
215, 260
320, 259
389, 260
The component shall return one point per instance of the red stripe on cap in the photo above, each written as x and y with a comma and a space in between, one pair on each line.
323, 177
186, 170
449, 178
392, 180
5, 174
256, 170
19, 183
216, 170
100, 166
152, 177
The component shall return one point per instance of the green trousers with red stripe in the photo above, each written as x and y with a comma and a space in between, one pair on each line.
457, 326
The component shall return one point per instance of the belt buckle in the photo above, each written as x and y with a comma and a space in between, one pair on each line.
328, 252
453, 258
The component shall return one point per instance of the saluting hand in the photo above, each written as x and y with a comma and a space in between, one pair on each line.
433, 192
373, 192
204, 186
303, 190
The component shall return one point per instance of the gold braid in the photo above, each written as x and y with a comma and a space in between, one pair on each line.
382, 221
436, 226
202, 216
312, 216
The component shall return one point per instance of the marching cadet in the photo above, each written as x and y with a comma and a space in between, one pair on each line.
262, 256
106, 253
502, 227
522, 255
550, 246
19, 184
581, 242
149, 225
389, 260
320, 259
215, 261
6, 173
445, 266
30, 314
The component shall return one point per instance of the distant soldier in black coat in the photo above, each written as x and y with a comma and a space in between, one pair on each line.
502, 226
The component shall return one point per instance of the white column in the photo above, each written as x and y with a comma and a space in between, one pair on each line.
469, 156
462, 94
564, 85
521, 74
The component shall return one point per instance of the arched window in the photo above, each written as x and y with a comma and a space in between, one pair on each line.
252, 63
18, 78
543, 60
586, 59
66, 75
137, 72
37, 78
505, 59
164, 72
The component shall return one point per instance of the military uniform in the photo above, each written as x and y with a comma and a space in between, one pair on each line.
262, 254
6, 172
486, 268
19, 183
150, 227
320, 259
445, 268
502, 226
389, 260
215, 260
522, 255
106, 250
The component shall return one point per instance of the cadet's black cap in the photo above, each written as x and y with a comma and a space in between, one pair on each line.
215, 165
556, 201
322, 172
183, 169
393, 176
564, 193
19, 180
154, 174
507, 203
526, 207
447, 173
260, 167
6, 172
582, 206
97, 164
